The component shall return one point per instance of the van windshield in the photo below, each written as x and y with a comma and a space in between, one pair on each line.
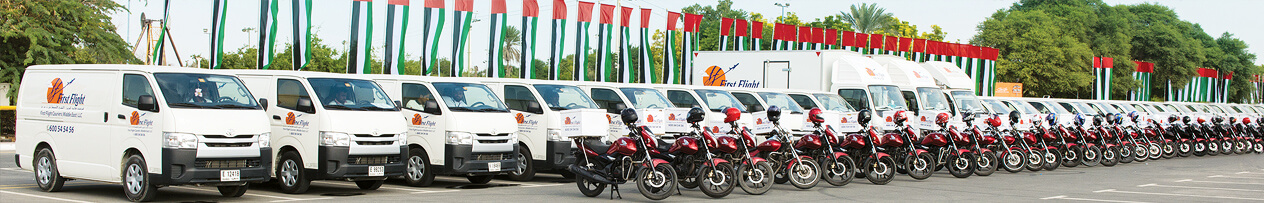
565, 97
833, 102
645, 98
886, 97
187, 90
351, 94
781, 100
932, 99
469, 97
997, 107
719, 100
966, 102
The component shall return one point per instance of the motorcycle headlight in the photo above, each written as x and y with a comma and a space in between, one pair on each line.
180, 140
461, 138
265, 140
335, 139
556, 135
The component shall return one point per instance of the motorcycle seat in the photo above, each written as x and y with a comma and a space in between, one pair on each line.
663, 146
597, 146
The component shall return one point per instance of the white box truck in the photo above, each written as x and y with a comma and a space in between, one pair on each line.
329, 126
143, 126
924, 97
539, 107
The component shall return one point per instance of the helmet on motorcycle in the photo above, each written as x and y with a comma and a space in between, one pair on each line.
1051, 118
696, 114
1202, 120
1134, 116
1173, 118
1079, 119
732, 114
1233, 120
1246, 120
1217, 119
1185, 119
814, 115
628, 115
1119, 118
900, 117
1097, 121
774, 113
942, 118
1014, 116
863, 117
995, 120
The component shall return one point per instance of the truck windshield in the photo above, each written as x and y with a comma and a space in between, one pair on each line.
469, 97
781, 100
886, 97
966, 102
933, 99
719, 100
645, 98
564, 97
351, 94
833, 102
187, 90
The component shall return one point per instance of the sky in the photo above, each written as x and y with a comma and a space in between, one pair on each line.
959, 18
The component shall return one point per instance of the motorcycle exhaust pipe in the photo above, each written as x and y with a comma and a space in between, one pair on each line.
589, 175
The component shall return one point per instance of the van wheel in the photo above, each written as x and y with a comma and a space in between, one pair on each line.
46, 175
233, 191
419, 174
369, 184
525, 170
290, 174
483, 179
136, 180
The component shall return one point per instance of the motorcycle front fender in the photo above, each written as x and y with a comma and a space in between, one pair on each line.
843, 154
656, 162
880, 155
718, 161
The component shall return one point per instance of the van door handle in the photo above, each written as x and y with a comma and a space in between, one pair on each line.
276, 117
120, 116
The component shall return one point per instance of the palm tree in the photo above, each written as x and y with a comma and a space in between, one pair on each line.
867, 17
512, 40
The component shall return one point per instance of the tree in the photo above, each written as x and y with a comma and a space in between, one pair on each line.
867, 18
57, 32
513, 41
936, 34
1038, 53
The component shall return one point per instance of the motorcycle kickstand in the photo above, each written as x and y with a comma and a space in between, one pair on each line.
614, 192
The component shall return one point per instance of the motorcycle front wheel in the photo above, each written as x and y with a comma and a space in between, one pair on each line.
1052, 161
658, 182
755, 179
838, 171
1013, 160
1226, 147
1091, 156
1242, 146
880, 171
1035, 160
1140, 153
1110, 156
1125, 153
985, 164
1169, 150
804, 173
1071, 157
1200, 148
961, 165
716, 182
920, 166
1185, 149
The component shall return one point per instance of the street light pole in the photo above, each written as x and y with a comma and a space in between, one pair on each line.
783, 9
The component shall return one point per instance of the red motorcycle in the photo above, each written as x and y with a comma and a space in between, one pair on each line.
800, 170
948, 145
1090, 153
837, 168
917, 163
876, 166
754, 174
1013, 153
1051, 142
985, 162
631, 158
695, 158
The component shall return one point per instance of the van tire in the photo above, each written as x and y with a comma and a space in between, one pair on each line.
290, 168
424, 176
233, 191
525, 164
136, 180
46, 164
369, 184
480, 179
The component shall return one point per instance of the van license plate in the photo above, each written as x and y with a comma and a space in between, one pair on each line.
493, 166
377, 170
229, 175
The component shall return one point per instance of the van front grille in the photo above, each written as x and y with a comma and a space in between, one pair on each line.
368, 160
222, 136
226, 163
370, 135
494, 135
492, 157
242, 144
375, 142
493, 141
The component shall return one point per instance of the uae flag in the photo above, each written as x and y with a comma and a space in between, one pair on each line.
581, 41
988, 58
805, 38
919, 50
1224, 87
496, 40
625, 66
847, 41
302, 21
831, 39
432, 31
558, 40
740, 32
780, 31
604, 33
818, 38
218, 17
530, 18
726, 31
860, 42
892, 45
1142, 75
757, 35
464, 15
671, 68
1101, 73
361, 41
693, 23
267, 33
905, 44
647, 57
396, 29
875, 43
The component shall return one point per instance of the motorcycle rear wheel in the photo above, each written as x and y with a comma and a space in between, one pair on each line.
1035, 160
656, 183
839, 171
589, 188
755, 179
1110, 156
961, 165
880, 171
804, 174
716, 182
986, 164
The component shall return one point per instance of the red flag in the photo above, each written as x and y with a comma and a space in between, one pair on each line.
757, 29
740, 29
1228, 76
994, 54
919, 45
818, 35
397, 2
1206, 72
530, 9
892, 42
726, 26
831, 37
692, 22
849, 38
645, 18
559, 9
875, 41
585, 11
435, 3
1097, 62
465, 5
498, 6
805, 34
626, 13
1108, 62
860, 40
607, 14
672, 17
905, 44
779, 31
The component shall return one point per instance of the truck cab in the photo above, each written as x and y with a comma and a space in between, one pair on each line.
457, 126
867, 85
329, 126
538, 106
923, 96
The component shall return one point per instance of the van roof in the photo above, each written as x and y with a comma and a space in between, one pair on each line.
127, 67
417, 78
948, 74
301, 74
856, 70
905, 73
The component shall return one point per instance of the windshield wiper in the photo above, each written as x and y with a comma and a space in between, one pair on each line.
234, 106
185, 104
339, 107
454, 108
375, 108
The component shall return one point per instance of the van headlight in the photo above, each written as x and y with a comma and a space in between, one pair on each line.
461, 138
401, 139
265, 139
513, 138
556, 135
335, 139
179, 140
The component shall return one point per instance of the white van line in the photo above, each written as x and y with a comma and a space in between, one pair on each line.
1194, 187
41, 196
1064, 197
1248, 172
1235, 177
1179, 195
1219, 182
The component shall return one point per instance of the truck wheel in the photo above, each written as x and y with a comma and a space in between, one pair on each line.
369, 184
483, 179
290, 174
233, 191
46, 175
419, 174
136, 180
526, 170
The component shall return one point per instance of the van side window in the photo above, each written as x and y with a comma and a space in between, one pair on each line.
682, 99
750, 102
1040, 107
135, 86
607, 99
911, 99
1068, 107
415, 96
856, 98
288, 93
803, 101
517, 97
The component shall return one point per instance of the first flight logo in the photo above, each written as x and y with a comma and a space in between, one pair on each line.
717, 76
56, 93
136, 119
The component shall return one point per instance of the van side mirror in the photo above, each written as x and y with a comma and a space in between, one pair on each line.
263, 103
432, 107
534, 107
305, 106
147, 103
398, 104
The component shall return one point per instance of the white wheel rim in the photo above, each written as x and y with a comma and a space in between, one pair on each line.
134, 179
1050, 157
289, 173
44, 170
717, 177
804, 171
656, 179
416, 167
755, 175
1013, 160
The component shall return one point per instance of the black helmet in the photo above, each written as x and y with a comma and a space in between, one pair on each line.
1173, 118
1013, 116
1186, 119
628, 115
696, 114
863, 117
774, 113
1097, 120
1217, 119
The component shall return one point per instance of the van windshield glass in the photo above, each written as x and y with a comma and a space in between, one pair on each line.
781, 100
565, 97
966, 102
469, 97
351, 94
719, 100
932, 99
997, 106
645, 98
887, 97
187, 90
833, 102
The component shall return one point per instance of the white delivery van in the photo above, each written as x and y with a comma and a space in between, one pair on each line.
538, 106
715, 101
143, 126
923, 96
328, 126
838, 115
793, 117
658, 115
456, 126
865, 84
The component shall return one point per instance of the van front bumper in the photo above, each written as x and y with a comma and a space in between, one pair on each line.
339, 163
461, 159
559, 156
181, 166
